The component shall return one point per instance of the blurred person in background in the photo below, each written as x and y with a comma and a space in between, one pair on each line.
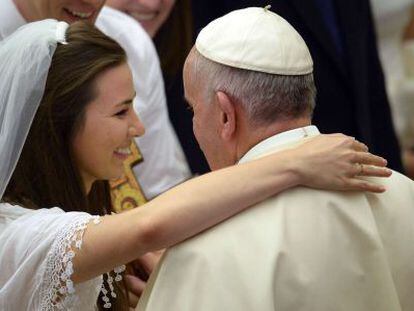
395, 30
170, 24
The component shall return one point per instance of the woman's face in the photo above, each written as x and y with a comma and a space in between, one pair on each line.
151, 14
103, 141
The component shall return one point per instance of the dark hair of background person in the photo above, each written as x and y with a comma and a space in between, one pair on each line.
173, 42
175, 38
46, 174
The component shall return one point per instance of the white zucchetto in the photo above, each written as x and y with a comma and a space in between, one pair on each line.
255, 39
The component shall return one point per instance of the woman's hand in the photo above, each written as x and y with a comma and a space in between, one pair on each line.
336, 161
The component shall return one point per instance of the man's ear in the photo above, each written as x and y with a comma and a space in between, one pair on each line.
228, 116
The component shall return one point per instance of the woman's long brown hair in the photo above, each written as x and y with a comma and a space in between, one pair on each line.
46, 174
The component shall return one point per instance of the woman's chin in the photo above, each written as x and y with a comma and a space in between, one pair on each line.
116, 176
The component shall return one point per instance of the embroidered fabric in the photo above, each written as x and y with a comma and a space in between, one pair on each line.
110, 281
57, 289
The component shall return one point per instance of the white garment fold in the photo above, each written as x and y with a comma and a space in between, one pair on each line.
35, 261
302, 250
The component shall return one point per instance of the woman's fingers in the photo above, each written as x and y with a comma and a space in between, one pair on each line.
358, 146
363, 185
350, 141
367, 158
148, 261
336, 161
367, 164
373, 171
135, 288
133, 301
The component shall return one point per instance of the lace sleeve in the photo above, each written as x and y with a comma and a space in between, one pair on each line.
57, 290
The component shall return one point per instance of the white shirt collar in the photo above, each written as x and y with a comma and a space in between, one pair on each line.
10, 19
278, 141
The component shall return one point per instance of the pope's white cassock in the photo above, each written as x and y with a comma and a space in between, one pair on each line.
303, 250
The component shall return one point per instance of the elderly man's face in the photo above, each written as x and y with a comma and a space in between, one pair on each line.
69, 11
205, 120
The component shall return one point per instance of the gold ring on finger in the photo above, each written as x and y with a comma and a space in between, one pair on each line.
361, 169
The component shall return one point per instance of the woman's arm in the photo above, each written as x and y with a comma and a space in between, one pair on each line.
327, 161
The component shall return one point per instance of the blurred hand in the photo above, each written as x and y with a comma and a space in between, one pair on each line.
136, 280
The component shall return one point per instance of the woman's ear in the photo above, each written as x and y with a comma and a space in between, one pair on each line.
227, 116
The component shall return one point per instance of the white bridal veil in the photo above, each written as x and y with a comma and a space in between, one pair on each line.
25, 58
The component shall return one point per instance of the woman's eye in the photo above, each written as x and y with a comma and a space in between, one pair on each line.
121, 112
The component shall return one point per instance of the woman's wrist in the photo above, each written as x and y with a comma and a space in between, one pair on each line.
289, 167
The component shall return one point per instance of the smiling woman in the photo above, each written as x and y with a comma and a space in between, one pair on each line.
84, 117
102, 144
170, 24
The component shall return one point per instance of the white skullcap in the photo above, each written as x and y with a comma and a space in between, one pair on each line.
255, 39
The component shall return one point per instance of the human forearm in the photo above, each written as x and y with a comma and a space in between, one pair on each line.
181, 213
209, 199
326, 162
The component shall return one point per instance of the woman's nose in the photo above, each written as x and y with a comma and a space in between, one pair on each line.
137, 127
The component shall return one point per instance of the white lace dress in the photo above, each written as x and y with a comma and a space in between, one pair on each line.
36, 252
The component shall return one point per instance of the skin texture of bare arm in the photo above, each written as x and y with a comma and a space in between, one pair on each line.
327, 161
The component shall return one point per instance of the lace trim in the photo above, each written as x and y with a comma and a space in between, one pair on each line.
110, 281
57, 289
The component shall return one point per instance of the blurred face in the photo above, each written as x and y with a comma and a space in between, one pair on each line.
103, 142
69, 11
206, 121
151, 14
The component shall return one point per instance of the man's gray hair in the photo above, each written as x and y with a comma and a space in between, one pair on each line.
266, 98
